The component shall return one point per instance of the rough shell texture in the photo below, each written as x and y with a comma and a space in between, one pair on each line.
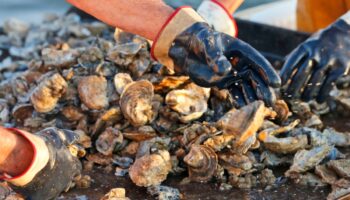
136, 102
243, 124
151, 169
191, 103
115, 194
202, 163
46, 95
108, 140
93, 92
120, 81
307, 159
341, 167
326, 174
340, 190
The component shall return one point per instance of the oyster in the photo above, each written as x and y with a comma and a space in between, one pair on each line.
282, 110
190, 102
170, 82
93, 92
243, 182
267, 177
202, 163
150, 169
240, 127
53, 58
121, 80
235, 163
108, 140
326, 174
46, 95
310, 179
164, 192
272, 159
340, 190
115, 194
341, 167
283, 145
305, 160
136, 102
4, 111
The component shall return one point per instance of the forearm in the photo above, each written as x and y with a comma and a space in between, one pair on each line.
231, 5
144, 18
16, 153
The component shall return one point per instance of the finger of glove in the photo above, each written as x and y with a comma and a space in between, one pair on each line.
246, 91
237, 97
251, 57
263, 91
329, 84
313, 87
292, 64
179, 55
299, 80
69, 137
52, 136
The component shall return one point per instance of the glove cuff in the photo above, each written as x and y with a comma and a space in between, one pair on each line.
346, 17
39, 161
183, 18
218, 16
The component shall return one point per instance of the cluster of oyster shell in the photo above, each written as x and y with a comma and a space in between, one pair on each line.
136, 118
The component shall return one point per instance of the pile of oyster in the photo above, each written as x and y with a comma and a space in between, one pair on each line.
136, 118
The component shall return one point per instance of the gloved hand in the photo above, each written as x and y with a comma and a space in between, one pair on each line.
188, 45
57, 174
218, 17
311, 70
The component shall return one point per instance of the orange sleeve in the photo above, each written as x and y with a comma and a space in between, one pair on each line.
313, 15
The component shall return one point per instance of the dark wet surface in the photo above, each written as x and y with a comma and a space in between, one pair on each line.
103, 182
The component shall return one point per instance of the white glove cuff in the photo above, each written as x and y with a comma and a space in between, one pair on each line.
217, 16
346, 17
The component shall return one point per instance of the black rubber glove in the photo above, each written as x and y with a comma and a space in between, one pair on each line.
212, 58
60, 171
311, 70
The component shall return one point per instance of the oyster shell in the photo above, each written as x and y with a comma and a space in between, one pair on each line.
190, 102
136, 102
116, 194
46, 95
326, 174
93, 92
341, 167
241, 125
164, 192
340, 190
121, 80
283, 145
202, 163
151, 169
53, 58
305, 160
108, 140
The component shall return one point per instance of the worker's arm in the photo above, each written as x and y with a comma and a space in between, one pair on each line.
144, 18
37, 166
311, 70
184, 42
